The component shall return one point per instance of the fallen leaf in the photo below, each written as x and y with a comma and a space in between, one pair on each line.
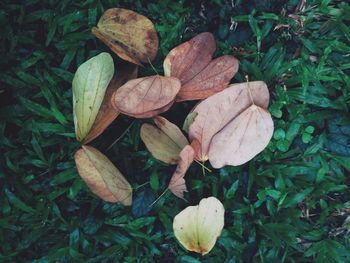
217, 111
200, 76
102, 177
130, 35
241, 139
198, 227
212, 79
177, 183
89, 87
146, 97
189, 58
165, 142
107, 114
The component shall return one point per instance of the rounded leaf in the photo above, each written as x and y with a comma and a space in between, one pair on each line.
102, 177
89, 86
146, 97
198, 227
215, 112
130, 35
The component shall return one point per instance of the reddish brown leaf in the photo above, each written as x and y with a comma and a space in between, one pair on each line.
188, 59
177, 183
192, 63
146, 97
212, 79
107, 114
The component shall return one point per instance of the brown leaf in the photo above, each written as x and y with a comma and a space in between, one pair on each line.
192, 63
102, 177
177, 183
212, 79
217, 111
146, 97
165, 141
107, 114
188, 59
130, 35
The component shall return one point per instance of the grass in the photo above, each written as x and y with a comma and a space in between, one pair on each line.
289, 204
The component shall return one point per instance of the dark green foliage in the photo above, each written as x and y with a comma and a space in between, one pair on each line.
290, 204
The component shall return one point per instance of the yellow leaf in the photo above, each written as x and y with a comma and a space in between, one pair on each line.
165, 141
89, 87
198, 227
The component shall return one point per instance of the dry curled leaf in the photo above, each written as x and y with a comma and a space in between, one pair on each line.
177, 183
198, 227
216, 116
102, 177
107, 114
89, 87
130, 35
165, 141
146, 97
200, 76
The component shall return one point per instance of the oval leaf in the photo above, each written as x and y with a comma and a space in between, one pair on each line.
130, 35
165, 141
215, 112
242, 139
146, 97
198, 227
102, 177
212, 79
89, 86
107, 114
200, 77
177, 183
188, 59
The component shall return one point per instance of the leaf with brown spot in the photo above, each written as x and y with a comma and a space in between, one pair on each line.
102, 177
165, 141
146, 97
130, 35
200, 76
107, 114
177, 183
217, 113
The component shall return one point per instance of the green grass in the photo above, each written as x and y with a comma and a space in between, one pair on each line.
289, 204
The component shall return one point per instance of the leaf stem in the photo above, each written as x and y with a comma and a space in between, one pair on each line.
203, 167
141, 185
249, 91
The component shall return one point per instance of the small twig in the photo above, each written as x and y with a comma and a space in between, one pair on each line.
121, 136
141, 185
149, 61
155, 201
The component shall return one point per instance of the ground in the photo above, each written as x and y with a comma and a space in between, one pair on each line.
289, 204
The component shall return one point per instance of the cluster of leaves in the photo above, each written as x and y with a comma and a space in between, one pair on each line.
288, 205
